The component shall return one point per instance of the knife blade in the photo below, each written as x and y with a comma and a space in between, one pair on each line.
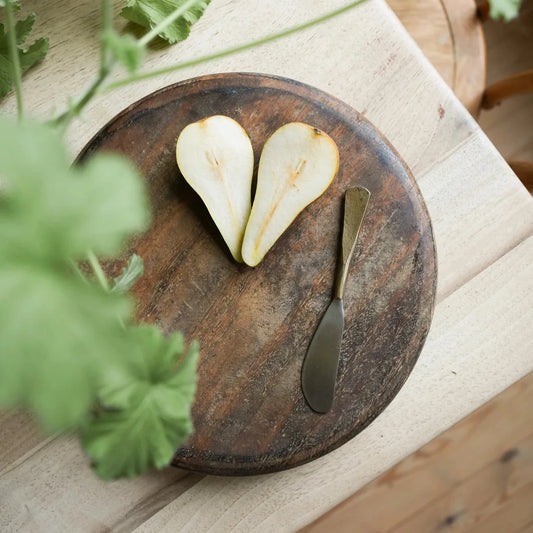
319, 370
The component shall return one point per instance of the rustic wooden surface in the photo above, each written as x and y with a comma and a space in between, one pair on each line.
255, 325
476, 476
480, 340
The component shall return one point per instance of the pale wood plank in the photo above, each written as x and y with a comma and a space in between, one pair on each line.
423, 490
511, 516
54, 490
478, 213
528, 528
18, 435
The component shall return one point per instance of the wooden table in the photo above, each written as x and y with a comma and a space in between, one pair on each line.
480, 341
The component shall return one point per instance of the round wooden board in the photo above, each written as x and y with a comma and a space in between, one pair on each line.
255, 325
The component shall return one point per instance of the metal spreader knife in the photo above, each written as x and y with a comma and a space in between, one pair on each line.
319, 371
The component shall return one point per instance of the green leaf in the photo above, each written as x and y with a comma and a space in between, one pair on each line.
57, 334
149, 13
29, 55
506, 9
104, 221
14, 3
59, 212
147, 401
57, 331
23, 28
125, 49
6, 76
33, 54
129, 275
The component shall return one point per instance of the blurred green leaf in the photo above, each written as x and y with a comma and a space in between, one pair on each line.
147, 401
506, 9
54, 211
14, 3
59, 332
125, 49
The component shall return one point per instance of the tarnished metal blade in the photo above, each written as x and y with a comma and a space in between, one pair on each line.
319, 371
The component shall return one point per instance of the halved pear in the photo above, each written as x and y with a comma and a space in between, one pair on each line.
297, 165
216, 158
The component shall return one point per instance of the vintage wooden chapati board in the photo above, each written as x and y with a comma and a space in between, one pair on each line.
255, 325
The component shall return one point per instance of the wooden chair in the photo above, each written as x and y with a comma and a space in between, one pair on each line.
450, 33
505, 88
494, 94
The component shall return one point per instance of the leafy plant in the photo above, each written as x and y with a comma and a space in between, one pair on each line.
70, 351
506, 9
28, 55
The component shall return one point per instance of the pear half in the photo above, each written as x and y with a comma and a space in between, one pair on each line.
216, 158
297, 165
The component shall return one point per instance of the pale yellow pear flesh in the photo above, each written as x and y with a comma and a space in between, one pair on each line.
297, 165
216, 158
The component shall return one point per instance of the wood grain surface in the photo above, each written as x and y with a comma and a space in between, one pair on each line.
476, 476
254, 325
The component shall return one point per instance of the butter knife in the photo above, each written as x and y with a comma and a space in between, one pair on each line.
319, 371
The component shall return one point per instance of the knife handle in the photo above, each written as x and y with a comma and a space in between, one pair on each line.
355, 203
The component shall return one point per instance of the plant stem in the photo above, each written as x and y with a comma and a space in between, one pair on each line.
77, 270
240, 48
107, 25
99, 86
167, 21
84, 99
106, 65
14, 56
97, 269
